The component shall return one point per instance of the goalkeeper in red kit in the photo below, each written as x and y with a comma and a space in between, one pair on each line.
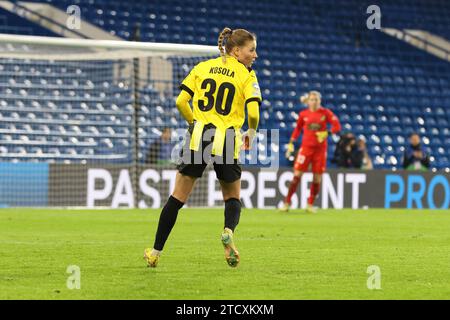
313, 151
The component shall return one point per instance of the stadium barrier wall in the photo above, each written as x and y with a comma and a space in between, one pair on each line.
112, 186
24, 184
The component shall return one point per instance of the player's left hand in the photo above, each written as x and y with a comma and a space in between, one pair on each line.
247, 138
321, 136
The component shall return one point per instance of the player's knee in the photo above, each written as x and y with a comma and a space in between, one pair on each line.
184, 179
298, 173
230, 195
184, 188
181, 194
230, 189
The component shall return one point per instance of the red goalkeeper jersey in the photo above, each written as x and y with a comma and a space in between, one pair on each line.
312, 122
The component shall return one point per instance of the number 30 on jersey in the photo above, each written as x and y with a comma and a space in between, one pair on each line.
215, 98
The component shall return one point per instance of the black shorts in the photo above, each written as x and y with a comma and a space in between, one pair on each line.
193, 163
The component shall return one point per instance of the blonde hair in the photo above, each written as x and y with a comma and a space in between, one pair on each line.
233, 38
304, 98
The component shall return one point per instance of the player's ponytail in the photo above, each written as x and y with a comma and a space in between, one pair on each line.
226, 32
304, 98
228, 39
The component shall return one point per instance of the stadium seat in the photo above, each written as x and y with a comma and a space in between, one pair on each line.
380, 87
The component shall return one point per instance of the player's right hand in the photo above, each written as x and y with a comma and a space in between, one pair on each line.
290, 150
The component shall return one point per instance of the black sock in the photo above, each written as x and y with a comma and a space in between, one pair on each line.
232, 213
166, 221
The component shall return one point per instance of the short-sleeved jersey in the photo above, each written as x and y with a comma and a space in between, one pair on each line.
220, 91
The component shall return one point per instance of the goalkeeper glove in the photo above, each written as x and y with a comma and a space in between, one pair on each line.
290, 150
321, 135
248, 137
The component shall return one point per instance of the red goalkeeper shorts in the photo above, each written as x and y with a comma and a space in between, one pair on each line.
317, 157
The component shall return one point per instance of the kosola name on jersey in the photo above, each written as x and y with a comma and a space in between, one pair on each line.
223, 71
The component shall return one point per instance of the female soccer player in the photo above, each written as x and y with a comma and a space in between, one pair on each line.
220, 90
313, 121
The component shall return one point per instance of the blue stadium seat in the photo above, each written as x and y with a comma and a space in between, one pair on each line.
378, 86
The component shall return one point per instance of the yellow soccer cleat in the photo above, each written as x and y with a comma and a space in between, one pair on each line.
231, 253
311, 209
285, 207
151, 257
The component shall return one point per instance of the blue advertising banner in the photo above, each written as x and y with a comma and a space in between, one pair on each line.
23, 184
40, 184
113, 186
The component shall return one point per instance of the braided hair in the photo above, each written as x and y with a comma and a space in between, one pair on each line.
228, 39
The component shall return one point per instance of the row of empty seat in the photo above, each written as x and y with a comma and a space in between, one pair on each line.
380, 88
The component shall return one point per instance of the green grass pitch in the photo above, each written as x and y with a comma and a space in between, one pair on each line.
283, 256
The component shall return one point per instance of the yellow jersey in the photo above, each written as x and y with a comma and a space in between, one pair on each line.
220, 92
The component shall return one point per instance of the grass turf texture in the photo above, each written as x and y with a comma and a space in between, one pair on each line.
283, 256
